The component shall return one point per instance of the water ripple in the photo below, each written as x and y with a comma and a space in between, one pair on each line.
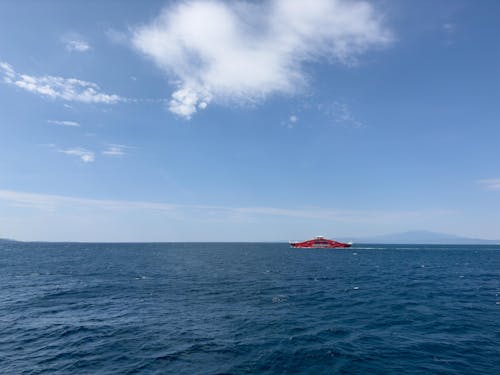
248, 308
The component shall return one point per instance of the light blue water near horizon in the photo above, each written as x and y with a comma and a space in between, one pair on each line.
247, 308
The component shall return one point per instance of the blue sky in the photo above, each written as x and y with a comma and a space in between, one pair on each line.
248, 121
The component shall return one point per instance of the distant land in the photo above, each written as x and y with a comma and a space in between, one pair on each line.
424, 237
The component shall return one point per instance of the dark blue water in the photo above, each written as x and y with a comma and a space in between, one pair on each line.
248, 309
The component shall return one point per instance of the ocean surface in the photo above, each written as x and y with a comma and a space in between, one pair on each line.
248, 308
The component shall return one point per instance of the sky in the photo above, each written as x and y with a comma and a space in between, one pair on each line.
248, 121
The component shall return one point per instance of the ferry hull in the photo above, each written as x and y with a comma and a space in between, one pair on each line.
320, 243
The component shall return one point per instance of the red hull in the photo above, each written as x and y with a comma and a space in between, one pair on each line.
320, 243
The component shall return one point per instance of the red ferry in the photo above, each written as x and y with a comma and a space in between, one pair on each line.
320, 242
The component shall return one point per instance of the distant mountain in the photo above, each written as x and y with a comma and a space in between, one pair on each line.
425, 237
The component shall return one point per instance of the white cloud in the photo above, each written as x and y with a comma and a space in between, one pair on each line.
85, 155
77, 45
292, 121
64, 123
241, 52
490, 184
9, 74
51, 202
212, 212
185, 101
68, 89
114, 150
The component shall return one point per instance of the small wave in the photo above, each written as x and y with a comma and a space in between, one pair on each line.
280, 299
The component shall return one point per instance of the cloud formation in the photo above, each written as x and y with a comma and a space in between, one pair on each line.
212, 212
64, 123
77, 46
68, 89
490, 184
241, 52
114, 150
342, 115
85, 155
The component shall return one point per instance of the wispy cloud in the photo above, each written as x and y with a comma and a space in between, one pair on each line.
68, 89
449, 28
114, 150
292, 121
490, 184
213, 212
342, 115
236, 52
85, 155
52, 202
64, 123
9, 75
117, 37
77, 46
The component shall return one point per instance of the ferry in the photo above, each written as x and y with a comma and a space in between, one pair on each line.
320, 242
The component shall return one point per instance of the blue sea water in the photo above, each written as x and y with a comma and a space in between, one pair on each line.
248, 308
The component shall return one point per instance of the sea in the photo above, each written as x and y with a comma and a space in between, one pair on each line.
248, 308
